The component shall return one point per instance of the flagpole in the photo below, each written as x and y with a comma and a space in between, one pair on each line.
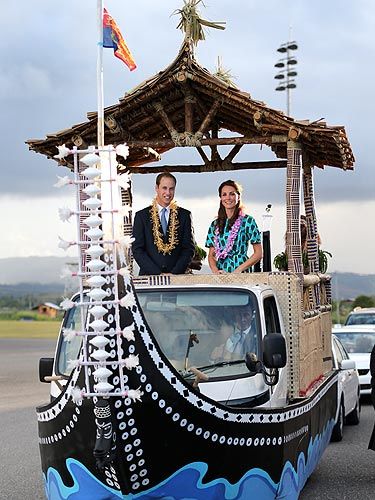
99, 74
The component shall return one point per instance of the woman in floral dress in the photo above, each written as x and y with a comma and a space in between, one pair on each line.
231, 232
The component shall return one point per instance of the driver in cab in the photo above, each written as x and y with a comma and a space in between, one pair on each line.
243, 339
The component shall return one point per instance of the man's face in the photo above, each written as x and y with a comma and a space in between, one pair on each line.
165, 191
243, 319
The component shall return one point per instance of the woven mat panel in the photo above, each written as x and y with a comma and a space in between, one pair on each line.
326, 324
311, 353
288, 291
220, 279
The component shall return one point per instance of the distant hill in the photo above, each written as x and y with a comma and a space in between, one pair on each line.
42, 275
41, 270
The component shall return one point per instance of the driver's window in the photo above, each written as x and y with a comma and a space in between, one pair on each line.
69, 350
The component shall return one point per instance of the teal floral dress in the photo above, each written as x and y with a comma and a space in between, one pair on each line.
248, 233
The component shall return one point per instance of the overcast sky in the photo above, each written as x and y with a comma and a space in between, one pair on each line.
48, 83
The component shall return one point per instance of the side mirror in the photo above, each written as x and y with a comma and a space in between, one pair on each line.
347, 364
45, 368
274, 350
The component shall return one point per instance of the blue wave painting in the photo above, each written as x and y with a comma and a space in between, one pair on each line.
189, 480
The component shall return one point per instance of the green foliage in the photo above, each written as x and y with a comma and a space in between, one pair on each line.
281, 261
29, 329
26, 315
200, 253
364, 301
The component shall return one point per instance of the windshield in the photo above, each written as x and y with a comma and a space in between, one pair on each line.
361, 319
361, 342
209, 329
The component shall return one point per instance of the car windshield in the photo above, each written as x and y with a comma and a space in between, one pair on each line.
360, 342
361, 319
208, 329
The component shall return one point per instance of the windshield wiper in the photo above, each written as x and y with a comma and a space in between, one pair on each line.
219, 364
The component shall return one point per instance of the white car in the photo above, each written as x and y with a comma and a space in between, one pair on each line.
359, 340
348, 407
361, 316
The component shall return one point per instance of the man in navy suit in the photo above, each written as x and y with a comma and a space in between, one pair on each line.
164, 241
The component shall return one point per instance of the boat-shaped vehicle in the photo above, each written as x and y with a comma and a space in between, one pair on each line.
144, 404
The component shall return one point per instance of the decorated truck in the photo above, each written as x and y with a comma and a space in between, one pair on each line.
143, 401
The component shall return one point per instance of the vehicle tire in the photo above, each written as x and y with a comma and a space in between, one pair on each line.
338, 430
355, 415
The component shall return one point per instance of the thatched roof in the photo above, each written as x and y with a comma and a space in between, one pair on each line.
171, 107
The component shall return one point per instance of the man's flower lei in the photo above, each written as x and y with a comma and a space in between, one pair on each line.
164, 248
222, 253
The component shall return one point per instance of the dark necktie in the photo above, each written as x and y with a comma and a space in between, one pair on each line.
163, 221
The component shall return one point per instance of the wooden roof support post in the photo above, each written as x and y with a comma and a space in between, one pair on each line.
166, 120
189, 111
312, 230
293, 185
206, 122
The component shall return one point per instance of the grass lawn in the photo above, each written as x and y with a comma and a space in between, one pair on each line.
29, 329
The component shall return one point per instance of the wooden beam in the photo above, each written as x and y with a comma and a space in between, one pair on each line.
232, 153
256, 165
222, 141
163, 115
203, 156
206, 122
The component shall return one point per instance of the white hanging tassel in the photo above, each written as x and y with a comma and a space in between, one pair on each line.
62, 181
65, 213
128, 332
72, 363
135, 394
65, 273
77, 395
128, 301
125, 210
122, 150
126, 241
124, 271
67, 304
124, 181
65, 244
69, 334
131, 361
63, 152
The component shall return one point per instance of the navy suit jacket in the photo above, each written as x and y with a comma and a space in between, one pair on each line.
146, 254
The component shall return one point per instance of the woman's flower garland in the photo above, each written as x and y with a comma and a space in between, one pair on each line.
222, 253
172, 242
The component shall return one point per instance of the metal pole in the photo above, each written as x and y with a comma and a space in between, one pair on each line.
99, 74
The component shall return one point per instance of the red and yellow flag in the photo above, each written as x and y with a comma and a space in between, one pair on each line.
112, 38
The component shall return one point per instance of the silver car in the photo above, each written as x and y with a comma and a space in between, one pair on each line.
359, 340
348, 403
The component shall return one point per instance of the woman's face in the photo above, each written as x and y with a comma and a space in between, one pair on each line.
229, 197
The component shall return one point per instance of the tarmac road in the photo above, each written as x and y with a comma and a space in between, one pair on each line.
346, 471
21, 392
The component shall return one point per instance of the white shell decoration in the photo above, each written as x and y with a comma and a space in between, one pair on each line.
99, 325
102, 373
96, 265
93, 221
91, 190
97, 294
91, 172
96, 281
95, 251
92, 203
103, 387
90, 159
98, 311
94, 233
100, 341
100, 355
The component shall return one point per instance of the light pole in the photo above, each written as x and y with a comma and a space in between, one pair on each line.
287, 71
